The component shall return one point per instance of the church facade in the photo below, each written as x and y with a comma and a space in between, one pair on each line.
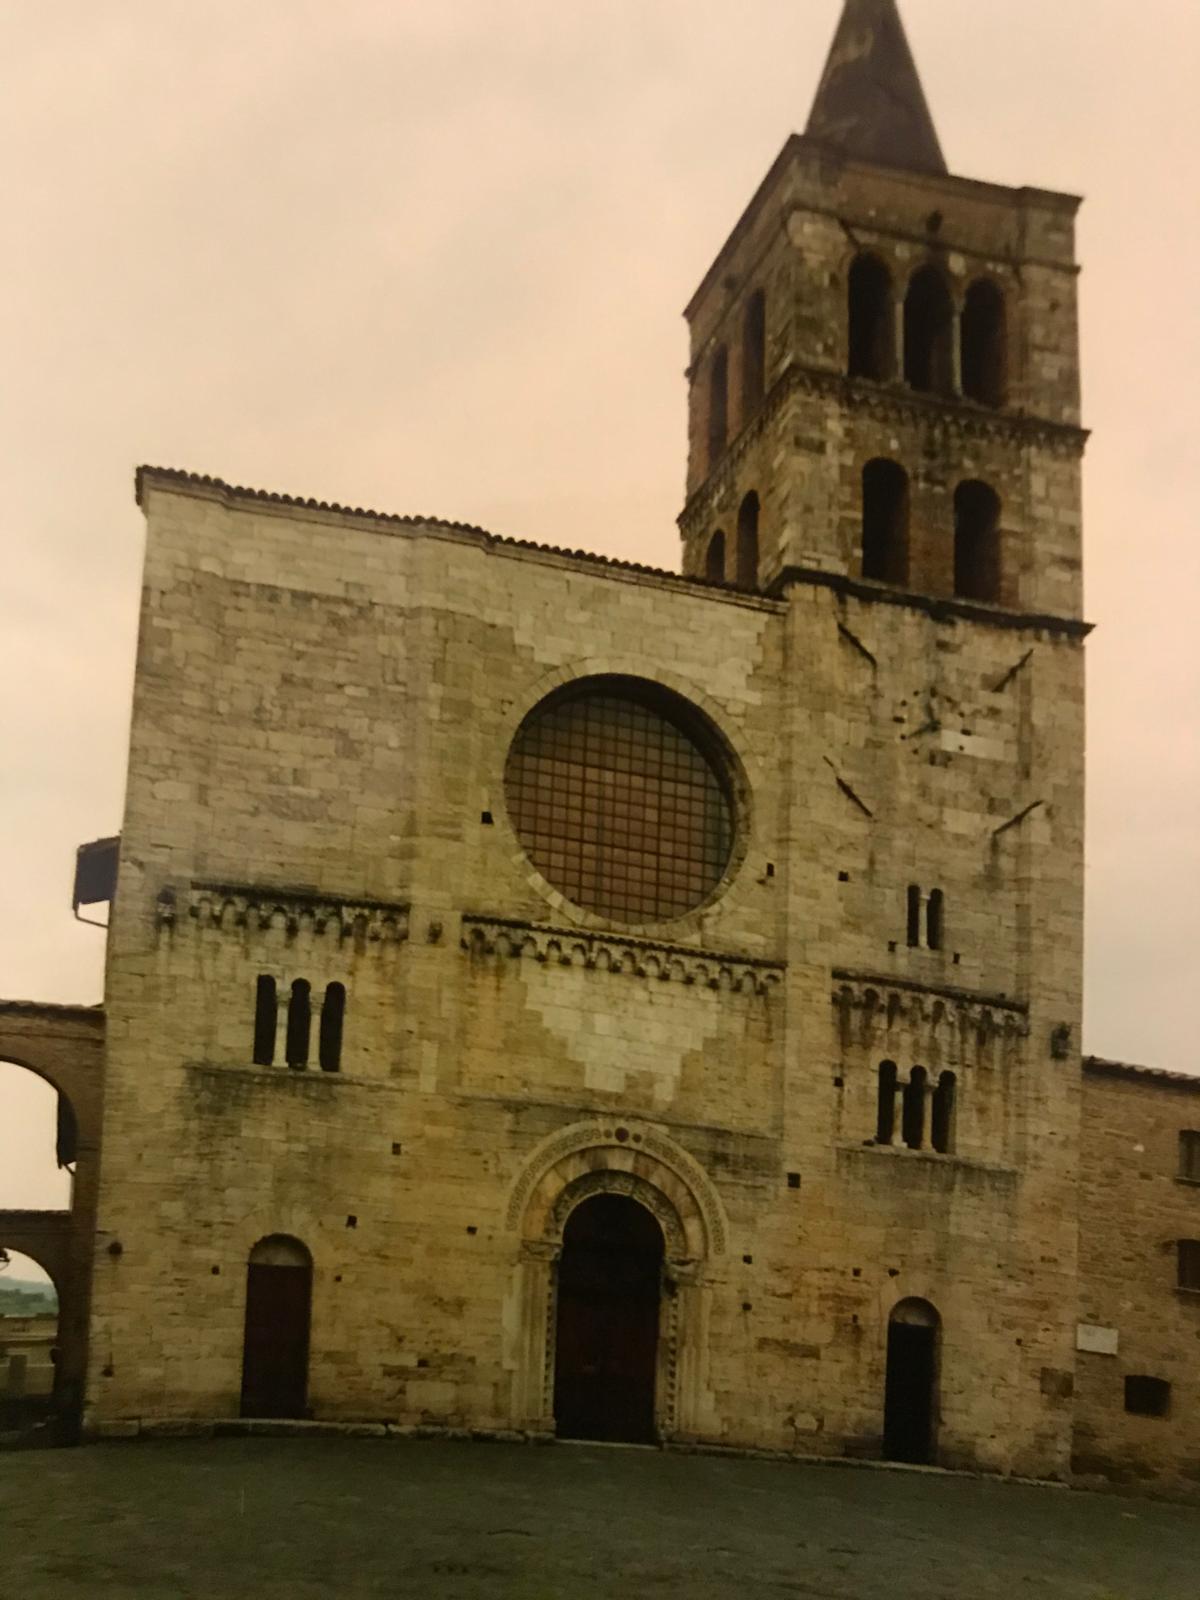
548, 995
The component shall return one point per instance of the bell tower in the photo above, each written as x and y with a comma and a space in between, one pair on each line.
884, 440
884, 377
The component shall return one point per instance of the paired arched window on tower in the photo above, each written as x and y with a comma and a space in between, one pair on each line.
872, 320
714, 560
754, 354
976, 541
885, 522
885, 532
718, 404
985, 344
745, 573
747, 542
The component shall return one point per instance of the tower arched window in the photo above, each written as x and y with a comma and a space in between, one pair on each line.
941, 1116
714, 559
299, 1024
718, 404
333, 1018
913, 1109
985, 344
929, 334
872, 320
754, 353
885, 522
976, 541
266, 1008
747, 542
885, 1118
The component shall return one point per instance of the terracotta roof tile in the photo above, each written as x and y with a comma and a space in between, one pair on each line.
1125, 1069
234, 491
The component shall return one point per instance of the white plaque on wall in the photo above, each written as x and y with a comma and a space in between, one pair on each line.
1097, 1341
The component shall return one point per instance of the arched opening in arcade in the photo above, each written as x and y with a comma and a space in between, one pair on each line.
29, 1347
929, 333
38, 1143
607, 1332
910, 1410
276, 1336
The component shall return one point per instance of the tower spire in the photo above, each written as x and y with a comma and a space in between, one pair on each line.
870, 103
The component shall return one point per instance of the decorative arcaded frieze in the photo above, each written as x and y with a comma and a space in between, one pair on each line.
233, 907
870, 1004
957, 419
617, 953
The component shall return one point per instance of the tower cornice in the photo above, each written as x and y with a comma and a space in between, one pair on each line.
940, 608
890, 402
834, 161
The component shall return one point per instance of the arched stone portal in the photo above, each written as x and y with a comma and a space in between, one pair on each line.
64, 1045
30, 1354
638, 1162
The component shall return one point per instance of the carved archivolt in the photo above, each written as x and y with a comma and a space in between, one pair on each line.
230, 908
628, 956
629, 1158
607, 1181
623, 1157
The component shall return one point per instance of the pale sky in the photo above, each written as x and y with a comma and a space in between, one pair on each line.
432, 258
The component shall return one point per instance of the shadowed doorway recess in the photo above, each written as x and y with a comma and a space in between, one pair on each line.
609, 1289
278, 1306
910, 1405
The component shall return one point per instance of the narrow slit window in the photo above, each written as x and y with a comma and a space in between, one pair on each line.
333, 1017
266, 1008
885, 1121
714, 560
913, 1111
747, 543
935, 912
984, 344
299, 1024
885, 522
872, 320
941, 1133
914, 916
1189, 1155
718, 405
929, 334
754, 354
1189, 1264
976, 542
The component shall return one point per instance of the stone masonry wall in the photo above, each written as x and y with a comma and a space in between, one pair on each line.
1135, 1205
323, 708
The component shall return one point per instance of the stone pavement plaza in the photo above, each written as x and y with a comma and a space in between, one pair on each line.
349, 1517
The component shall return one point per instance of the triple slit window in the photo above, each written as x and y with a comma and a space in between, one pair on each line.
944, 351
298, 1028
920, 1109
